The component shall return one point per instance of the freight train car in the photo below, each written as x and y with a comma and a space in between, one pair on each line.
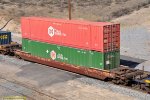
7, 46
5, 37
99, 58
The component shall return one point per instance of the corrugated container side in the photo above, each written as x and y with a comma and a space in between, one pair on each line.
5, 37
74, 35
78, 57
97, 36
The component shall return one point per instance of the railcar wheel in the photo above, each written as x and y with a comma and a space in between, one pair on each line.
17, 56
115, 81
11, 54
3, 52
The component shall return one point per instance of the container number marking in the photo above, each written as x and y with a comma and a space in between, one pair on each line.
3, 37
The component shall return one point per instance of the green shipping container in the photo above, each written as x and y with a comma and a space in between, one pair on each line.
74, 56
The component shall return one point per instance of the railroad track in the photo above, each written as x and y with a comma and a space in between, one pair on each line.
34, 93
16, 92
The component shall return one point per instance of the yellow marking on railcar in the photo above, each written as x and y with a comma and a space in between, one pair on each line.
147, 81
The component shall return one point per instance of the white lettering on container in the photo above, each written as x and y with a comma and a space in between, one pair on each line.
52, 31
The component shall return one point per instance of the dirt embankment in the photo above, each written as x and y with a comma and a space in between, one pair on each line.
137, 18
95, 10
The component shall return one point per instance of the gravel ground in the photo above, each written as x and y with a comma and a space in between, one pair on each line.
7, 92
11, 89
146, 65
116, 89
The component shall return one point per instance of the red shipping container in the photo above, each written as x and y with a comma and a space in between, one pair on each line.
98, 36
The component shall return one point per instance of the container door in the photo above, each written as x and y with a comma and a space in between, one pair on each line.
112, 60
107, 61
117, 59
107, 38
116, 36
111, 37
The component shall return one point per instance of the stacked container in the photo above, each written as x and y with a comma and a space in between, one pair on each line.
87, 44
5, 37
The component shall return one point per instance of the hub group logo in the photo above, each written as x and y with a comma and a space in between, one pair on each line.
52, 31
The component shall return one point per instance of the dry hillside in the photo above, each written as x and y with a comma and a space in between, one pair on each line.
96, 10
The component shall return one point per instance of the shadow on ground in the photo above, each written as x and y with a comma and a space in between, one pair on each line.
46, 76
130, 61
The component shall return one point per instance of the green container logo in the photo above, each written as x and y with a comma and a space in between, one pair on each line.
53, 55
